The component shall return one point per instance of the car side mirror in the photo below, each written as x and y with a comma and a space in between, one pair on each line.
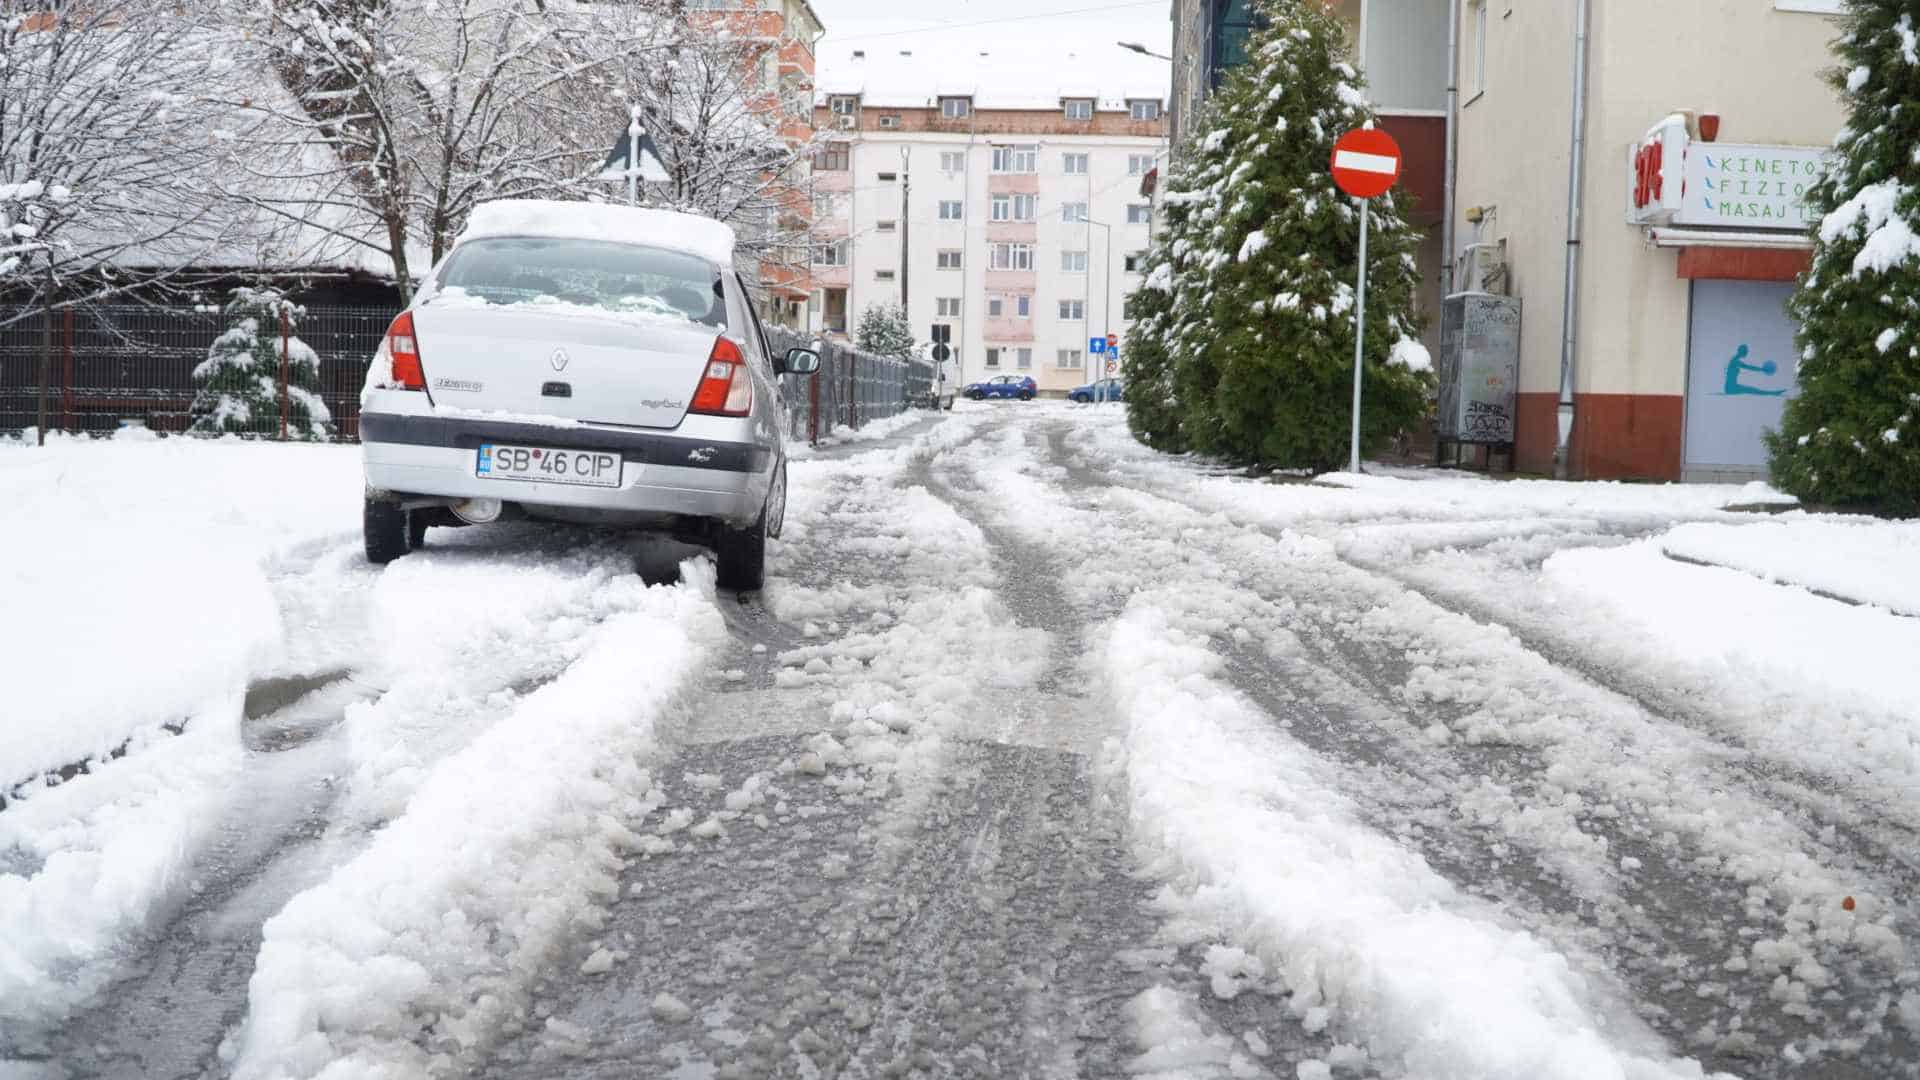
800, 362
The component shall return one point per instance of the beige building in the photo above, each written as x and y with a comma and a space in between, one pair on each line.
1703, 125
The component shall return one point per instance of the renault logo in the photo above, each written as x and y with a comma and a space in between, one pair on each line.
559, 359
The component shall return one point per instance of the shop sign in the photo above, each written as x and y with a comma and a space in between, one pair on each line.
1750, 187
1656, 178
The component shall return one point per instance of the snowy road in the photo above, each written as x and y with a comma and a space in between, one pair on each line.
1039, 756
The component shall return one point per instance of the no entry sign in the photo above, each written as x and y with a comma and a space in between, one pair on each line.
1366, 163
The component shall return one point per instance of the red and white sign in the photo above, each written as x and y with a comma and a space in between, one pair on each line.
1366, 163
1656, 180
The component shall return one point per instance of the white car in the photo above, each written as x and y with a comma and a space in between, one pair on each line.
581, 363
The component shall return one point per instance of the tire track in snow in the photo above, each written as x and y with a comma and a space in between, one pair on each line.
1671, 907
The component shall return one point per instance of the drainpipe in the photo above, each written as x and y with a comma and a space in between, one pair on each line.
1453, 146
1570, 312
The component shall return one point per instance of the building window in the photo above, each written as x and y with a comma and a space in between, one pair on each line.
1144, 110
1015, 207
833, 254
1012, 257
883, 275
889, 121
886, 226
1073, 310
993, 358
956, 108
1073, 212
1023, 306
887, 177
1023, 358
947, 259
1067, 358
1080, 109
1233, 22
952, 210
844, 105
1073, 262
1139, 214
996, 305
1480, 47
1073, 164
1016, 159
833, 157
953, 161
1139, 164
947, 307
823, 206
1136, 262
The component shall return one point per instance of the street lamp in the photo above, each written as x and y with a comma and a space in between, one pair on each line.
1134, 46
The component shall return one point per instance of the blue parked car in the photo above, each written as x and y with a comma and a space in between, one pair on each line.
1099, 390
1004, 386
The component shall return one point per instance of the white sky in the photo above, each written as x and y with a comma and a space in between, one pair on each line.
1076, 38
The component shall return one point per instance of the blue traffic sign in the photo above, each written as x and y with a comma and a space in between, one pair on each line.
1096, 346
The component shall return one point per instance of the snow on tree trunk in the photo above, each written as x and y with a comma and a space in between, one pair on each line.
1247, 350
238, 384
1852, 437
884, 330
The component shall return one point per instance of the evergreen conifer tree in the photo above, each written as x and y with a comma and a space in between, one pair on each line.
1262, 250
884, 330
1852, 437
238, 384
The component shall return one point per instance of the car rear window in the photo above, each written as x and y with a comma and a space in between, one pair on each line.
627, 278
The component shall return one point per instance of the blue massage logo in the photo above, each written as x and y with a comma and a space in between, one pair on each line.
1738, 366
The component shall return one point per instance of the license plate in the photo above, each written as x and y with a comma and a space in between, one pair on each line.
589, 468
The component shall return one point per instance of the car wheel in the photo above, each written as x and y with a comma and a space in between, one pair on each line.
1026, 395
416, 531
742, 555
776, 512
387, 531
976, 395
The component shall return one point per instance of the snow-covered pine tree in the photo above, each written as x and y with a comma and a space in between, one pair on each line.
884, 330
1263, 329
1852, 437
239, 381
1155, 412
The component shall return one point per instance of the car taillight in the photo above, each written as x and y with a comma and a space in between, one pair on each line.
726, 389
403, 353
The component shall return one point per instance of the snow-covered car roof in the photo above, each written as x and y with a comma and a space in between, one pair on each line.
688, 233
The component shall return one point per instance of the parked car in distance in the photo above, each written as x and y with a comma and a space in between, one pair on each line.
1099, 390
581, 363
1004, 386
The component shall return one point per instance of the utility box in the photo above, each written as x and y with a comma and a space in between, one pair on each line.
1479, 369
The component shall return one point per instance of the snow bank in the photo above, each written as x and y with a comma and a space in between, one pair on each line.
688, 233
1747, 630
415, 953
134, 582
1871, 562
1263, 845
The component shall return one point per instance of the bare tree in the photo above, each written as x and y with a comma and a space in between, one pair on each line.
110, 130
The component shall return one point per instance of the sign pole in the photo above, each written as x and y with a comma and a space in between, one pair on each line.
633, 158
1359, 333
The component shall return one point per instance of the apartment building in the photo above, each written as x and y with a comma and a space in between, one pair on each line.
787, 33
1002, 206
1700, 128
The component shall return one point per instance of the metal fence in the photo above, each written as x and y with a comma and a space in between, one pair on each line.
113, 364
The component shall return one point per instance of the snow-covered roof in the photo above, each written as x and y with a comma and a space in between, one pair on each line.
1005, 76
689, 233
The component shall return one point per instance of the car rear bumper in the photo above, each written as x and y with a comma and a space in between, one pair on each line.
663, 475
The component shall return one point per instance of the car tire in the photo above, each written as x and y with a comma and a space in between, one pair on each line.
740, 555
416, 531
1026, 395
976, 395
776, 511
387, 530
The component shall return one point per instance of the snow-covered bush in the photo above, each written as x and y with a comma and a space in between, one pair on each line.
1852, 437
1259, 252
884, 330
238, 384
